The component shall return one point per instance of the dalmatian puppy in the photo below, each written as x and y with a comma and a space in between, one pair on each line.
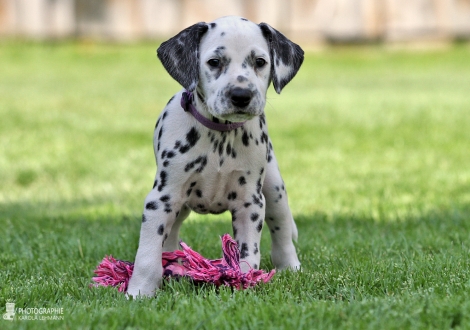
212, 147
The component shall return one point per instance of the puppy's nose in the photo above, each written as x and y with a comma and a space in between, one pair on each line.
241, 97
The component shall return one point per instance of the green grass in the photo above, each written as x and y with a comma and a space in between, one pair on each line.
374, 147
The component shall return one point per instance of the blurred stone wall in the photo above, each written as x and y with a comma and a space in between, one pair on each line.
307, 21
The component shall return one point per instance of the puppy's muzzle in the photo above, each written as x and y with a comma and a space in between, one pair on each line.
241, 97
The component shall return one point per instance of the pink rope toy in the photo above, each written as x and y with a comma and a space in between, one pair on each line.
188, 263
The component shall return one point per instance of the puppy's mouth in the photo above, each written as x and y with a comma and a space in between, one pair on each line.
237, 116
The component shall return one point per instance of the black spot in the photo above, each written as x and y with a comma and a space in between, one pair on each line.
144, 218
188, 192
257, 201
155, 183
221, 148
260, 226
261, 171
160, 230
277, 228
241, 79
158, 122
229, 149
216, 143
165, 198
234, 154
256, 250
222, 34
213, 25
259, 186
177, 144
247, 204
151, 205
191, 139
254, 217
255, 266
198, 193
244, 251
160, 133
244, 19
241, 181
264, 137
201, 161
232, 196
163, 179
271, 218
192, 184
166, 163
167, 208
170, 154
245, 139
164, 115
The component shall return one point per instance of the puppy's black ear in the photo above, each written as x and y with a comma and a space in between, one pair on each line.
180, 55
286, 56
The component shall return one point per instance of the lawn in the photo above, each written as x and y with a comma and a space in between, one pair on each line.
374, 147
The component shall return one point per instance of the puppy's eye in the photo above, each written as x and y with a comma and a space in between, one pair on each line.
213, 62
260, 62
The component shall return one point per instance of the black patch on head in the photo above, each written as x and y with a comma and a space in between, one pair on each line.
241, 181
163, 179
244, 251
180, 56
161, 229
151, 205
281, 48
232, 196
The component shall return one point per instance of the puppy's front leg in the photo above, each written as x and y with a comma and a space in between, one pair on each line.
157, 220
247, 222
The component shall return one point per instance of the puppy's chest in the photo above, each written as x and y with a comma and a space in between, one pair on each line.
220, 169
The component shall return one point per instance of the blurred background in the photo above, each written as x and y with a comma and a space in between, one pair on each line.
312, 22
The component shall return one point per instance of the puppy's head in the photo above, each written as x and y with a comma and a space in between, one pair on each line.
230, 63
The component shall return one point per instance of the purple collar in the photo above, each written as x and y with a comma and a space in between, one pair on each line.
187, 105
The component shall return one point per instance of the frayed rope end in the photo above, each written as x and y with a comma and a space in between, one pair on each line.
188, 263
